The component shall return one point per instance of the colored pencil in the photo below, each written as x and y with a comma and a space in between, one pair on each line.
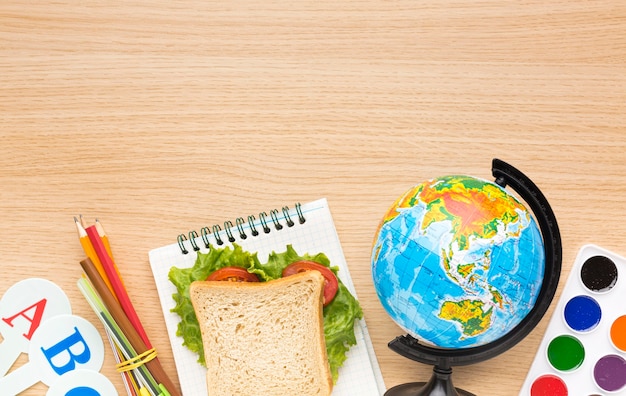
90, 252
118, 287
120, 345
107, 246
104, 237
117, 312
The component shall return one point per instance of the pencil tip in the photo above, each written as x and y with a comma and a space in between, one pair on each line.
79, 227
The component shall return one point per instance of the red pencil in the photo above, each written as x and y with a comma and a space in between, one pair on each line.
116, 282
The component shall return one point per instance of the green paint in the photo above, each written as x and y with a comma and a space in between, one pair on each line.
566, 353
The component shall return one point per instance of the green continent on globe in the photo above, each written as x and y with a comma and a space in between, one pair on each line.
469, 313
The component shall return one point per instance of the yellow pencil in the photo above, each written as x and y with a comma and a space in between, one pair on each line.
91, 253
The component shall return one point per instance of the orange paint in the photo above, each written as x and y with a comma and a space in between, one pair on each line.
618, 333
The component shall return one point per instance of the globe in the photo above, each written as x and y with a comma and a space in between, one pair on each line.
458, 262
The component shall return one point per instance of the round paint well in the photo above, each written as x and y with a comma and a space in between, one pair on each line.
609, 373
565, 353
582, 313
548, 385
618, 333
599, 274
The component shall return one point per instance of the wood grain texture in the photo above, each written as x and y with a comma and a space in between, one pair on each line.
158, 117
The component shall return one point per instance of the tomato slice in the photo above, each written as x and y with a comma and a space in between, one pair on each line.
330, 280
233, 274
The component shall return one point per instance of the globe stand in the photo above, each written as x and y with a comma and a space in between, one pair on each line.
442, 360
440, 384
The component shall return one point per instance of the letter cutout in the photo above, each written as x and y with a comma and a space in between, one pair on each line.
35, 320
82, 391
65, 346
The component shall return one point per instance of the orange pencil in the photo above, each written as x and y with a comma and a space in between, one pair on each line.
107, 246
104, 237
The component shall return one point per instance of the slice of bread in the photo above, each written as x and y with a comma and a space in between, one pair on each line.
264, 338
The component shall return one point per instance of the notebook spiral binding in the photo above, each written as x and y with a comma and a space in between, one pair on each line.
265, 222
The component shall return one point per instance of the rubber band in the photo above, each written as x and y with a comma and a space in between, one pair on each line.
136, 361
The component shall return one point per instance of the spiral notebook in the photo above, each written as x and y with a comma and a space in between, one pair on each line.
309, 228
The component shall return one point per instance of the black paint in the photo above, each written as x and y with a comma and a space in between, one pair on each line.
599, 273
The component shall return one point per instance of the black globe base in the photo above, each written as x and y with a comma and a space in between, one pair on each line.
440, 384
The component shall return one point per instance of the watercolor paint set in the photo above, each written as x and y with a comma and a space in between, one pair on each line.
583, 351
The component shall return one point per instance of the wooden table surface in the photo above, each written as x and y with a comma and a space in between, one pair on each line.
158, 117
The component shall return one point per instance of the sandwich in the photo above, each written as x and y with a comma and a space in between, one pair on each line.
339, 313
264, 338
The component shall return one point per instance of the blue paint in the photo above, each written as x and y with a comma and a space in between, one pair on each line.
582, 313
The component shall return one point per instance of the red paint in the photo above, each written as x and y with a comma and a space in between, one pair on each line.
548, 385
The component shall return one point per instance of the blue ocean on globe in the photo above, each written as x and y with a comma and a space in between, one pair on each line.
457, 262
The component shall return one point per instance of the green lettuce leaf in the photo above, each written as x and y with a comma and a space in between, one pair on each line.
339, 315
